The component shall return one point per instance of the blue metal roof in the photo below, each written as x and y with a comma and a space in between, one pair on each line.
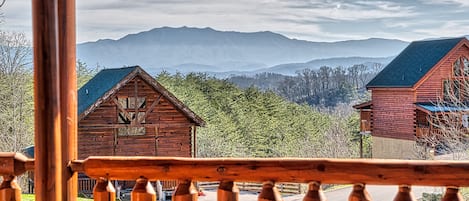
104, 81
434, 108
413, 63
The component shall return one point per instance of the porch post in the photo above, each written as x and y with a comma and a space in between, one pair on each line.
68, 95
55, 100
47, 121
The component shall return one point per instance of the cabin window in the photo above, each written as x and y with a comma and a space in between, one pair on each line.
456, 89
465, 62
461, 67
446, 90
131, 115
457, 68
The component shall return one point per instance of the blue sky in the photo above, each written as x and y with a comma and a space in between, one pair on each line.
315, 20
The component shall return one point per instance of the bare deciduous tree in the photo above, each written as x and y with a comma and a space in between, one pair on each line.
16, 94
448, 124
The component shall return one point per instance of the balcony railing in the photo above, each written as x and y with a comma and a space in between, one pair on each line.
404, 173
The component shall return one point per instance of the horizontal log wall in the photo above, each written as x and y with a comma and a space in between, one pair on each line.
168, 131
393, 113
431, 89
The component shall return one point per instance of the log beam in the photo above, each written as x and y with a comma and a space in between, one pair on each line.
336, 171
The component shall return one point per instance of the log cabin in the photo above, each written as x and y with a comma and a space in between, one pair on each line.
407, 92
56, 166
126, 112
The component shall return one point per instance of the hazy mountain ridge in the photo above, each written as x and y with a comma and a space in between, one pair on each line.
176, 49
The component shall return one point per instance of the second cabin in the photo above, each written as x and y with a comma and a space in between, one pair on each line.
126, 112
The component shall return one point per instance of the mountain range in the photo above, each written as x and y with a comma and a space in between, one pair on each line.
188, 49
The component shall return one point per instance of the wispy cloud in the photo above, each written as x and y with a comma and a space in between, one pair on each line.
462, 3
302, 19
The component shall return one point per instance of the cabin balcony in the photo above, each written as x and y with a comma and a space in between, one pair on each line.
402, 173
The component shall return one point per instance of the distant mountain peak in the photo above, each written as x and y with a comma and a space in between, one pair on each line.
174, 47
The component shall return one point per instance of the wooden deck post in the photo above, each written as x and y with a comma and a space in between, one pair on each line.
452, 194
185, 191
68, 95
404, 194
104, 191
143, 191
227, 191
315, 192
359, 193
269, 192
9, 189
54, 98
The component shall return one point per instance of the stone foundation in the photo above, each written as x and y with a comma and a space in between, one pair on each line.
390, 148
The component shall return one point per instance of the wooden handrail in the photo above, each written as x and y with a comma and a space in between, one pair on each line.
334, 171
14, 163
359, 172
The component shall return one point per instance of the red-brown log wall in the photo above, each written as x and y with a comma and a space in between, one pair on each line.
165, 125
431, 89
393, 113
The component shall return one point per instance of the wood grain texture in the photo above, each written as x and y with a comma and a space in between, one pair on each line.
334, 171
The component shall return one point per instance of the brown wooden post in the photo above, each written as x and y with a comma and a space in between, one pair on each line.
359, 193
452, 194
143, 191
68, 95
185, 191
315, 192
104, 191
9, 189
48, 155
227, 191
404, 194
269, 192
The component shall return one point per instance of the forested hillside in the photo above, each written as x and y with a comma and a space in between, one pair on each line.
250, 122
240, 121
325, 87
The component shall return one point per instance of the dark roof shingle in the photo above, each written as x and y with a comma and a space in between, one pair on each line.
413, 63
105, 83
101, 83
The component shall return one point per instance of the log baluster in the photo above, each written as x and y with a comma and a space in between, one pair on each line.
452, 194
269, 192
404, 194
143, 191
104, 191
315, 192
185, 191
9, 189
227, 191
359, 193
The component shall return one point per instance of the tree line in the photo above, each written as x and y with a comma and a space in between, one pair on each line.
326, 86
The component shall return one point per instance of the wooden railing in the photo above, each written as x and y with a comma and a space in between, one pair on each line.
404, 173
